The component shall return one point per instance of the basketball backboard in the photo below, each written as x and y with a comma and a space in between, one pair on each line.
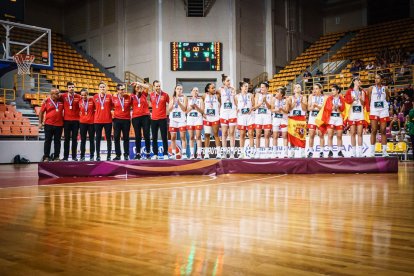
17, 38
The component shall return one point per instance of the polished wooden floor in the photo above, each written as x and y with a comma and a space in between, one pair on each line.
199, 225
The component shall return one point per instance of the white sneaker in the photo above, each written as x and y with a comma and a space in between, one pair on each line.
165, 157
184, 157
206, 156
154, 157
242, 155
218, 156
172, 157
192, 157
292, 154
231, 155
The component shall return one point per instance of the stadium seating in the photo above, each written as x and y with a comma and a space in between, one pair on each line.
12, 123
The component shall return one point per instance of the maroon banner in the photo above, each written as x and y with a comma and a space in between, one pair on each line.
216, 167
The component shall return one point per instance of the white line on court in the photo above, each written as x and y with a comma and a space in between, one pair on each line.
145, 189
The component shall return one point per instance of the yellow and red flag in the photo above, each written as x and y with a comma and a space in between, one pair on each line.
297, 131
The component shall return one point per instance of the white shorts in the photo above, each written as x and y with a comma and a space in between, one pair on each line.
177, 126
263, 121
336, 121
228, 117
194, 121
379, 113
312, 117
279, 124
245, 120
394, 133
356, 113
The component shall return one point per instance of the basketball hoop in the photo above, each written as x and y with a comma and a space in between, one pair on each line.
23, 62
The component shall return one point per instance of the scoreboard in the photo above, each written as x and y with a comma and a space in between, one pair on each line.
196, 56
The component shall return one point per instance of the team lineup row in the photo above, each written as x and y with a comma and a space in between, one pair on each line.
251, 114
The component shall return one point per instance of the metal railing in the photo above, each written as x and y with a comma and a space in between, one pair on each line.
33, 85
395, 77
7, 95
256, 81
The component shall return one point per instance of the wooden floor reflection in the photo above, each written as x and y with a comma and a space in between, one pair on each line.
229, 225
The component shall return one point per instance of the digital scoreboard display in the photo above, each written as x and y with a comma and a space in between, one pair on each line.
196, 56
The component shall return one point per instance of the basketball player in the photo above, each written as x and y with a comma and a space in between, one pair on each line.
263, 119
379, 96
245, 118
195, 110
178, 120
355, 97
280, 110
228, 115
315, 103
336, 104
211, 119
298, 104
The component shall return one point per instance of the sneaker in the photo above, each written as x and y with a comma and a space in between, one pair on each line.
340, 154
242, 155
154, 157
358, 154
117, 158
231, 155
91, 158
46, 159
310, 154
126, 156
206, 156
218, 156
184, 157
173, 157
192, 157
165, 157
321, 155
137, 157
75, 160
330, 154
144, 157
57, 159
292, 154
302, 154
64, 159
109, 158
82, 159
98, 158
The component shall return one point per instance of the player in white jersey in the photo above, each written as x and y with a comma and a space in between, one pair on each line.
195, 110
379, 97
298, 105
177, 108
280, 110
263, 119
211, 119
335, 105
228, 115
245, 118
315, 103
355, 97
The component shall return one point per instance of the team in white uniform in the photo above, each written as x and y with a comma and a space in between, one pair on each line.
265, 113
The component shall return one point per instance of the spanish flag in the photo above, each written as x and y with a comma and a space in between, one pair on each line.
322, 120
297, 131
348, 103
